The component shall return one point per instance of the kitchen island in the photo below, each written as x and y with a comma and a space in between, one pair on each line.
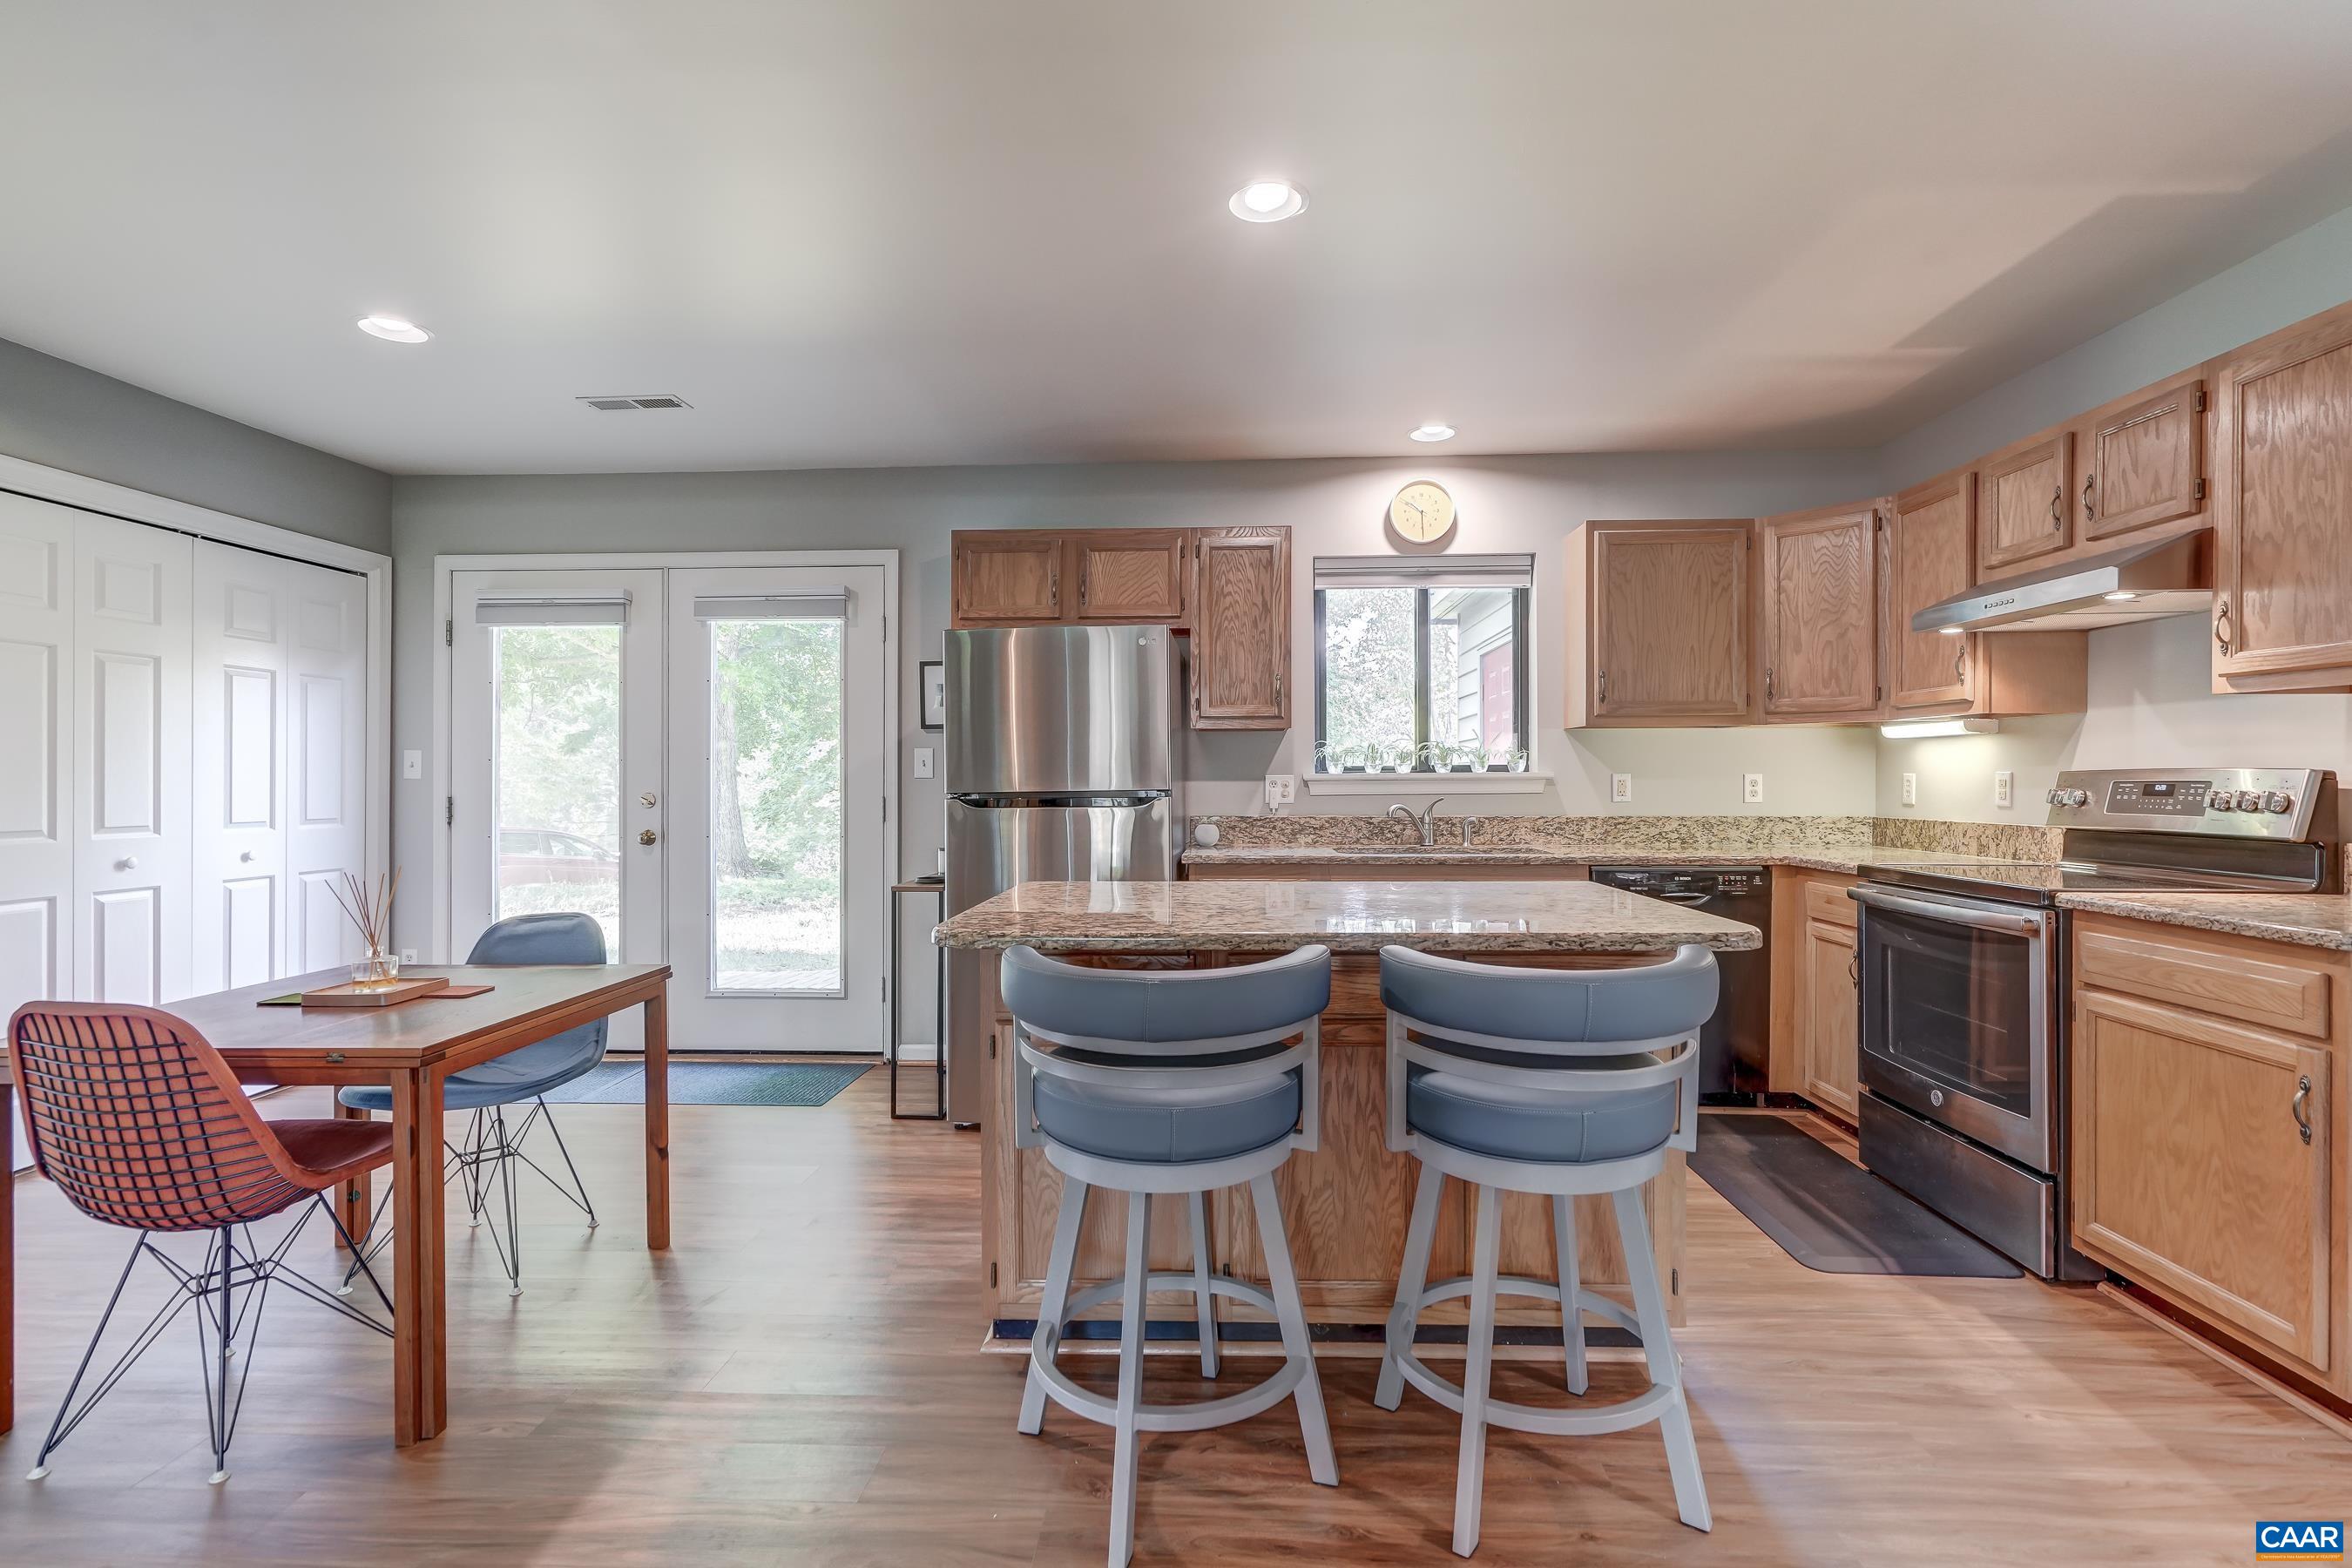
1345, 1204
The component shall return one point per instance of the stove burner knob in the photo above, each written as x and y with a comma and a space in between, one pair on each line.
2278, 803
2053, 798
2075, 797
2222, 800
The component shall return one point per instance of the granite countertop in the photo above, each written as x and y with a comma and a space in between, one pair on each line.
1347, 917
1841, 857
2307, 919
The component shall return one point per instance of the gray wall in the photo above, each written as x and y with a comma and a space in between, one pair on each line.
2151, 697
1333, 508
65, 416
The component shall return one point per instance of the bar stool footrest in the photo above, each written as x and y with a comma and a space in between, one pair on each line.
1197, 1417
1618, 1415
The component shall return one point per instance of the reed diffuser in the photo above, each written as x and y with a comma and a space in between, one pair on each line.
371, 914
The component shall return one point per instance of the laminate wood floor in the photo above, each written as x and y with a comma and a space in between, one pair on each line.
797, 1382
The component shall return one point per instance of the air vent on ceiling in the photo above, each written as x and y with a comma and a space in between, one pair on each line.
629, 405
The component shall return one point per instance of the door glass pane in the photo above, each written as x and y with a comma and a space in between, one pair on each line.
556, 772
776, 822
1960, 1008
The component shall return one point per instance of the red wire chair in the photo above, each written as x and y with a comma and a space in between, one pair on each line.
139, 1121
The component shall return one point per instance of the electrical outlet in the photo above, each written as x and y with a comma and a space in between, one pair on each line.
407, 955
925, 762
1621, 786
1910, 789
1281, 789
2004, 788
412, 764
1751, 788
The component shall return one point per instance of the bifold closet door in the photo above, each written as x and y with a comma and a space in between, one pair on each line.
37, 664
132, 876
280, 704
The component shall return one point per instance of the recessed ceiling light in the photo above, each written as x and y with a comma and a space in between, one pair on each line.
1433, 432
1268, 201
392, 328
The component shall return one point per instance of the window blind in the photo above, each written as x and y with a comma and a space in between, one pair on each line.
552, 610
802, 605
1424, 572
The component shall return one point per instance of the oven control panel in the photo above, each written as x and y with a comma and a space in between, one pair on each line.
2237, 803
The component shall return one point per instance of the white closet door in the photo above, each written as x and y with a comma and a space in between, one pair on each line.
325, 773
244, 622
134, 877
36, 672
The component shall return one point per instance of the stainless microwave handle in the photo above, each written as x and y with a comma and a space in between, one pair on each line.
1952, 914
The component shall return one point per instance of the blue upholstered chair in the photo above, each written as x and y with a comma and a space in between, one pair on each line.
489, 1150
1167, 1082
1561, 1083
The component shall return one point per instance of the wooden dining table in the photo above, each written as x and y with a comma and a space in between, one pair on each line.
412, 1048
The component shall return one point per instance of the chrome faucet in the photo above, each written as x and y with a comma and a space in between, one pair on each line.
1426, 821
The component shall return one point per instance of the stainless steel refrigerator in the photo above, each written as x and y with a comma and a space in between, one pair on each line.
1063, 745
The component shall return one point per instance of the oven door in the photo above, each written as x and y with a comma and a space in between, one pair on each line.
1956, 1016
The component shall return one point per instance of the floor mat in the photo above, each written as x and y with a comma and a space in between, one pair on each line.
1828, 1212
715, 1083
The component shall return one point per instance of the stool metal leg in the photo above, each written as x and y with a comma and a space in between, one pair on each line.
1658, 1346
1470, 1476
1571, 1316
1135, 1286
1205, 1300
1418, 1239
1057, 1300
1322, 1464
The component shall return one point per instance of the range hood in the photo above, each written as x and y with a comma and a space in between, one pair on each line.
2137, 582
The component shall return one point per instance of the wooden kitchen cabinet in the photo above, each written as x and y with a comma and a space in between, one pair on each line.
1832, 1013
1930, 556
2283, 528
1667, 623
1008, 578
1815, 1012
1229, 587
2207, 1123
2021, 503
2140, 461
1128, 576
1819, 579
1240, 628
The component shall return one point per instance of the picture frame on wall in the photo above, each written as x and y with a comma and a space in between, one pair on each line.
934, 672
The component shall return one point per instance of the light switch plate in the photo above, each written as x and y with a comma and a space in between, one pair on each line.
1621, 786
412, 764
2004, 787
925, 764
1281, 789
1910, 789
1751, 788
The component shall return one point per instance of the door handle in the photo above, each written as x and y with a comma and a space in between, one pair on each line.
2221, 626
2058, 506
2300, 1106
2087, 496
1853, 969
128, 863
645, 836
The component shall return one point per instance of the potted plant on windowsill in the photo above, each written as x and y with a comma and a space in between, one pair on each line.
1352, 758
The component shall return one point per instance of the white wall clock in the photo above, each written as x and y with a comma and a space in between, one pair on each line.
1423, 511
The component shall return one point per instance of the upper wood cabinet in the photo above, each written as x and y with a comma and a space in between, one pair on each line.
1240, 628
2021, 502
1229, 587
1819, 582
2140, 461
2283, 509
1008, 578
1665, 610
1931, 555
1130, 576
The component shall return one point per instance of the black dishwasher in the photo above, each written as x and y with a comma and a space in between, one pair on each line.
1734, 1047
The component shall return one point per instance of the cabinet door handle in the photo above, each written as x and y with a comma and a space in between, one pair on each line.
1768, 683
2300, 1106
1960, 664
1602, 694
2221, 626
2058, 506
1853, 969
2087, 496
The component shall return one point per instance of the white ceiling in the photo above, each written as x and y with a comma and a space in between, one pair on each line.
899, 232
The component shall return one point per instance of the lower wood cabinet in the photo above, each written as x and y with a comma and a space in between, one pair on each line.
1815, 1011
2206, 1154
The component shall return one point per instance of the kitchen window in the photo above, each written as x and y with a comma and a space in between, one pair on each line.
1422, 667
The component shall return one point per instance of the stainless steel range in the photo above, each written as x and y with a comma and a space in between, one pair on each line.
1963, 980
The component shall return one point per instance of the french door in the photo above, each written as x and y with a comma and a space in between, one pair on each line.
698, 758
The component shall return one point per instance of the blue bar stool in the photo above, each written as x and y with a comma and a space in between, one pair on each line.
1559, 1082
1167, 1082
